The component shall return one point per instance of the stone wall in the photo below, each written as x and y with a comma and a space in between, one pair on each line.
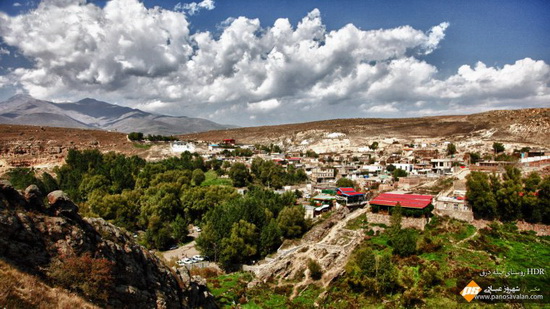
540, 229
467, 216
417, 223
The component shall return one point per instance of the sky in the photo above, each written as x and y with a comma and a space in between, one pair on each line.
262, 62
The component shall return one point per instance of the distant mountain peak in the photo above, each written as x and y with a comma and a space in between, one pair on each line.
21, 96
91, 113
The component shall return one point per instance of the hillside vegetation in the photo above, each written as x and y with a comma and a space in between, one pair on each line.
21, 290
385, 271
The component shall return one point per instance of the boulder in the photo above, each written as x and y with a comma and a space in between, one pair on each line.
34, 197
5, 184
61, 204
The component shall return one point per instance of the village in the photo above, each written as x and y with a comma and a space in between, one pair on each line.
424, 177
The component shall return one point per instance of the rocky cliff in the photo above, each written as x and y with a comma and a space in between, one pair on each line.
36, 237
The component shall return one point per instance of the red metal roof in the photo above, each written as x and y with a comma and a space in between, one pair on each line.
405, 200
347, 191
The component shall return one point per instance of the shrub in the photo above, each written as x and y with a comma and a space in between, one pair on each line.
135, 136
91, 276
404, 242
206, 272
315, 270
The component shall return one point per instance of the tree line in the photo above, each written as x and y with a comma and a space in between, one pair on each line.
162, 198
509, 197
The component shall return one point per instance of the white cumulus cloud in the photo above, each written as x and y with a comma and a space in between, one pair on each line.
264, 106
250, 73
194, 7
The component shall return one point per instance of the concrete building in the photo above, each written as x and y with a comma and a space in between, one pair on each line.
321, 175
442, 166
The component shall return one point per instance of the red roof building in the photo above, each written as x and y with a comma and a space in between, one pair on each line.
347, 192
414, 201
351, 197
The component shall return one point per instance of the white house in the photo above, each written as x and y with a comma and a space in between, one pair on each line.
182, 147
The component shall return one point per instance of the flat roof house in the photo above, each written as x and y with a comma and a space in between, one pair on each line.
415, 204
351, 197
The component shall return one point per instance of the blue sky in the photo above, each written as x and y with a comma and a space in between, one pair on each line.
451, 56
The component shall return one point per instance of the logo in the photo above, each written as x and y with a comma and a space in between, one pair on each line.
470, 291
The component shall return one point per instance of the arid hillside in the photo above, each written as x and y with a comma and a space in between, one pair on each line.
45, 147
524, 125
89, 256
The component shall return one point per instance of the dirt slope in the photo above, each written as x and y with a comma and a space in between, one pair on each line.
524, 125
329, 243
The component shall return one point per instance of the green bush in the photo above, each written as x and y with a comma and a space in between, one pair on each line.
315, 270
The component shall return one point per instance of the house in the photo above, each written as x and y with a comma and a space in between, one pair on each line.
321, 175
454, 206
229, 142
491, 166
214, 148
294, 160
442, 166
414, 202
372, 169
404, 166
324, 199
350, 197
182, 147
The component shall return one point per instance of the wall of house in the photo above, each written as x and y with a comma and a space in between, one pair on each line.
467, 216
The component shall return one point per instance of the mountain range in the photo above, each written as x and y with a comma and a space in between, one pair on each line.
93, 114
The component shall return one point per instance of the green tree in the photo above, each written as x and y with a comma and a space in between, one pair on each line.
345, 183
498, 147
532, 181
239, 174
197, 201
291, 221
198, 177
398, 173
374, 145
91, 183
135, 136
544, 200
240, 246
390, 168
366, 260
387, 275
474, 157
404, 242
395, 219
451, 149
270, 238
311, 154
508, 197
480, 196
179, 229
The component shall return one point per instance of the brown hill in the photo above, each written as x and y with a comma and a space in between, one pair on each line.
86, 255
524, 125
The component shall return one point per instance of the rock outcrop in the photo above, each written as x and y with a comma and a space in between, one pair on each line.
33, 235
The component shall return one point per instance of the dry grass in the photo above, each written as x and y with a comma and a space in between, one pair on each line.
532, 125
21, 290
